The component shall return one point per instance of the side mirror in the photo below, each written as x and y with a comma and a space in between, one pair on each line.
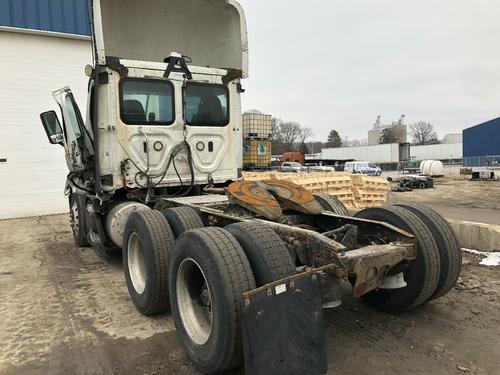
52, 127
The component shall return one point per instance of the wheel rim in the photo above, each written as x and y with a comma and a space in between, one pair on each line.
76, 218
195, 301
136, 263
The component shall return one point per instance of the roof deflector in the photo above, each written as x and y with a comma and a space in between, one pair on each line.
211, 32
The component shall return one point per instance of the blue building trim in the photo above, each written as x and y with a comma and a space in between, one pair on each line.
482, 140
63, 16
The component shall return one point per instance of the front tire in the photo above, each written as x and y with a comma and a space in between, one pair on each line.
78, 219
208, 273
147, 246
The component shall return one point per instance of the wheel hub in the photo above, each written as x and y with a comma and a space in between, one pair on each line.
195, 301
136, 263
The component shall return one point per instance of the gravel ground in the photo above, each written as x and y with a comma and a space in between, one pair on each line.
64, 310
456, 197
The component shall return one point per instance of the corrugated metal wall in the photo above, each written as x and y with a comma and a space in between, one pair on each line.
482, 139
65, 16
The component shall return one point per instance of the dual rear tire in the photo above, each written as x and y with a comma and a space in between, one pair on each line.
437, 265
210, 269
172, 262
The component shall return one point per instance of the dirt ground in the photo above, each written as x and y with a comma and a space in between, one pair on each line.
64, 310
458, 198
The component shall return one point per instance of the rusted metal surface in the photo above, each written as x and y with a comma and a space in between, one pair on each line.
293, 196
254, 197
371, 263
114, 63
289, 281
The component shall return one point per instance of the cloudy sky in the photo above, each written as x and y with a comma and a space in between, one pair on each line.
337, 64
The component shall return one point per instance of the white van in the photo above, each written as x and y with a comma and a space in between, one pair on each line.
363, 167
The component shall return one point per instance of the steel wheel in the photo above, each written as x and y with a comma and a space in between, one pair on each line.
195, 301
136, 263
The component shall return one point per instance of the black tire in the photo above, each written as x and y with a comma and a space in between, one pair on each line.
421, 275
78, 217
209, 259
331, 203
148, 242
267, 253
450, 251
182, 219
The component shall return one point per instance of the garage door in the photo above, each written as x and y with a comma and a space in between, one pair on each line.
32, 171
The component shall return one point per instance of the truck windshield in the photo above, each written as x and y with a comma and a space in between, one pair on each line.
206, 105
146, 102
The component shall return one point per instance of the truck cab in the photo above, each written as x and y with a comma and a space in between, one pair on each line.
163, 104
163, 113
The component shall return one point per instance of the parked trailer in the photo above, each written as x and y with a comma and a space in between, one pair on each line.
244, 267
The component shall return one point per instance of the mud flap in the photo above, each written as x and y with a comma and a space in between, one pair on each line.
283, 330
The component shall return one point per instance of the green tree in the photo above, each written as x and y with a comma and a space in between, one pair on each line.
334, 140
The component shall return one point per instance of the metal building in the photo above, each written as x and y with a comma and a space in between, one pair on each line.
482, 144
62, 16
44, 46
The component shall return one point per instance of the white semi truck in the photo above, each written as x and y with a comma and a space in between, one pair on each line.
155, 171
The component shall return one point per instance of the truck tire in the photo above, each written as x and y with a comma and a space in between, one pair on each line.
78, 219
208, 273
266, 252
450, 251
148, 242
331, 203
182, 219
421, 275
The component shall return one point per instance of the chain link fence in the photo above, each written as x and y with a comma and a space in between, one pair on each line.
489, 161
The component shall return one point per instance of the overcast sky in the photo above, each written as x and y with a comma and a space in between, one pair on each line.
337, 64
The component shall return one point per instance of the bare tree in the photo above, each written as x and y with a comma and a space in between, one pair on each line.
346, 142
290, 133
289, 136
305, 134
423, 133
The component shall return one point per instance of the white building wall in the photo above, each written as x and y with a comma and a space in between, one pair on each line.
453, 138
31, 66
437, 152
386, 153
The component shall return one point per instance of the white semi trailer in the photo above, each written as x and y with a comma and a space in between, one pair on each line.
244, 267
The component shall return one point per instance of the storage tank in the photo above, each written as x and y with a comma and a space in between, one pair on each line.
432, 168
423, 166
436, 168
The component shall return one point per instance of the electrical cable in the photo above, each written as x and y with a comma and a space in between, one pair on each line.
177, 149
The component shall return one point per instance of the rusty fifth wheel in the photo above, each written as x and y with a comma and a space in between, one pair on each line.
254, 197
293, 196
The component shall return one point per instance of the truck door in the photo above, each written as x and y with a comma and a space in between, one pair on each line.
73, 129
